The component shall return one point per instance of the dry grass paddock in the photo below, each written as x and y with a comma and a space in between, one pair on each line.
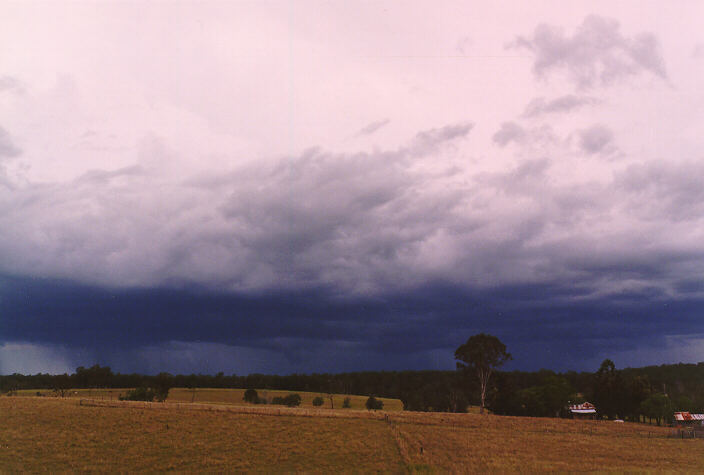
59, 434
226, 396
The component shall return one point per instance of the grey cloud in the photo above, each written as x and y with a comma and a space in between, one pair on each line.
9, 83
428, 140
463, 45
509, 132
344, 220
567, 103
367, 222
698, 51
596, 54
671, 191
7, 148
105, 176
528, 176
597, 139
372, 127
531, 141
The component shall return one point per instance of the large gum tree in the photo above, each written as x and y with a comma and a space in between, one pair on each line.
481, 355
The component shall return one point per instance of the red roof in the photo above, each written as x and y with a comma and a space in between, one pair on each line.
686, 416
585, 406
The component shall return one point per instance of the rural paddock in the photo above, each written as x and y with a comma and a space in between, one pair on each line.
70, 434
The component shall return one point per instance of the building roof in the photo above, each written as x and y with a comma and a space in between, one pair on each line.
584, 408
686, 416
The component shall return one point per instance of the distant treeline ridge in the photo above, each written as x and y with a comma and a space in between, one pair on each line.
625, 393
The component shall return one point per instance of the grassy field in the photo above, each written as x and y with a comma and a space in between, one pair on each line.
55, 434
227, 396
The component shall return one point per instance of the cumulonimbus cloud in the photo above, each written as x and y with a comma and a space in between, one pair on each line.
365, 222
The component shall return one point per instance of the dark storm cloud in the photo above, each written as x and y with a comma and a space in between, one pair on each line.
7, 148
540, 106
383, 259
372, 127
318, 331
596, 54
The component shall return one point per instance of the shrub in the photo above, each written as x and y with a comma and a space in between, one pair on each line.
144, 393
347, 403
251, 395
292, 400
162, 384
374, 403
318, 401
139, 394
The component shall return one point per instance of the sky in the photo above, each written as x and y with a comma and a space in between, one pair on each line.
304, 186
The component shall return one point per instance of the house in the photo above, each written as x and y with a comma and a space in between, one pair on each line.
586, 410
689, 420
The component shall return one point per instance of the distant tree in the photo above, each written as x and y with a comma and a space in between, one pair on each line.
62, 383
658, 407
318, 401
545, 400
638, 391
347, 403
557, 392
141, 393
480, 356
684, 403
292, 400
374, 404
251, 395
331, 392
608, 390
94, 377
162, 385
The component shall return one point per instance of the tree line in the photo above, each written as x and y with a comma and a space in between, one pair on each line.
652, 392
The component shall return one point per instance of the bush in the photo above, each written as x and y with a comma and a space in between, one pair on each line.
146, 394
139, 394
292, 400
374, 403
347, 403
162, 384
318, 401
251, 395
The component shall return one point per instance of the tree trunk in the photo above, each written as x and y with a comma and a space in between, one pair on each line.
481, 407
